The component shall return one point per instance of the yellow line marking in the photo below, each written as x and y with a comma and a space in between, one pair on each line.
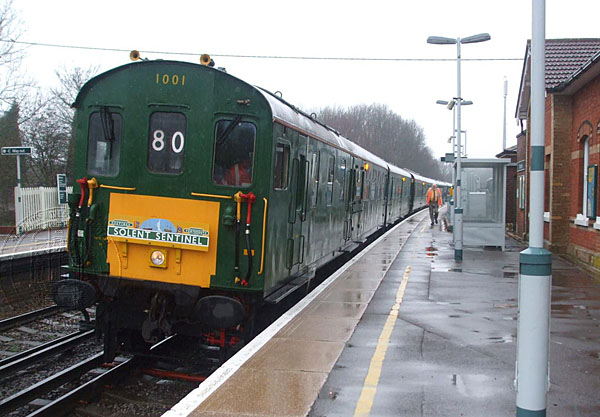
367, 395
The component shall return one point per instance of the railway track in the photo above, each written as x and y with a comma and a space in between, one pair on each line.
29, 357
64, 392
27, 318
142, 385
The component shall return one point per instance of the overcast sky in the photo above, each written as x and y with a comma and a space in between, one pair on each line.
350, 29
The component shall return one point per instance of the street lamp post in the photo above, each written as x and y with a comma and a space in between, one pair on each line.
440, 40
451, 106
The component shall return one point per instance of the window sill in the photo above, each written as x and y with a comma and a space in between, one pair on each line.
546, 217
581, 220
597, 224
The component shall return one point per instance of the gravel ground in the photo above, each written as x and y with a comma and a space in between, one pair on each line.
39, 332
29, 376
139, 395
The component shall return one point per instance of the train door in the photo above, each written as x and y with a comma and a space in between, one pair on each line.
388, 212
356, 202
411, 199
297, 224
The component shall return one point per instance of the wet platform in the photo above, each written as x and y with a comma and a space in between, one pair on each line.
41, 242
405, 330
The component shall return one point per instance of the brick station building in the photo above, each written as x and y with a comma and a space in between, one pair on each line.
572, 150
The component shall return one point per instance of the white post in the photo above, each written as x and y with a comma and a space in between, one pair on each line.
453, 198
18, 200
458, 227
504, 120
535, 279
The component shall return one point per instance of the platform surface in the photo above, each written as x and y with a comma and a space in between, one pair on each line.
407, 331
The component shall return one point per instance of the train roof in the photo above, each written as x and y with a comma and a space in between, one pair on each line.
283, 112
289, 114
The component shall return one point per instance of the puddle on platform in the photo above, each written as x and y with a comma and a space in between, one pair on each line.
431, 251
455, 270
454, 316
501, 339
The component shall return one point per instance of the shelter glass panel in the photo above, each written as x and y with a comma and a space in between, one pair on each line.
482, 194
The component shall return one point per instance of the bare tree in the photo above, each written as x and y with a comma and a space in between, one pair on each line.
50, 142
70, 82
63, 96
13, 85
377, 128
48, 127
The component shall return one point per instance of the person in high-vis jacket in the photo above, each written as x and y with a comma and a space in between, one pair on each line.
434, 201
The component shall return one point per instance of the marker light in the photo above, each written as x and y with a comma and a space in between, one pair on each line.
367, 166
158, 258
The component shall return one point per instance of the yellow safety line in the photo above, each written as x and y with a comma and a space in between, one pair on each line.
114, 187
228, 197
262, 251
367, 395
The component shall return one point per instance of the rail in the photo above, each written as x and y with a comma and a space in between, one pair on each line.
29, 357
13, 322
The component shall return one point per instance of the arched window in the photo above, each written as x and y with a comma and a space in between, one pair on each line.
586, 161
586, 203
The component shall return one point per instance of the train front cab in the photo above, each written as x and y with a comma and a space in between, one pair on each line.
159, 233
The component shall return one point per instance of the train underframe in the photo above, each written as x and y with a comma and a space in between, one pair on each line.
133, 315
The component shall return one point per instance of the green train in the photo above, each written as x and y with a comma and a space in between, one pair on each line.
203, 197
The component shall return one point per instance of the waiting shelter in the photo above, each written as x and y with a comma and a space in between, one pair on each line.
483, 201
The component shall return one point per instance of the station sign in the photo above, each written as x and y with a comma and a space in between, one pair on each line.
61, 185
16, 150
449, 158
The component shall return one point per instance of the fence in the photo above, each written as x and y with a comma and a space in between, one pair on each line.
39, 209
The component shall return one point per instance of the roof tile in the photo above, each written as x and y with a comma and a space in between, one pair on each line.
565, 56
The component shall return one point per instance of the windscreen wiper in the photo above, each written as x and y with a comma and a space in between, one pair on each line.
228, 130
108, 128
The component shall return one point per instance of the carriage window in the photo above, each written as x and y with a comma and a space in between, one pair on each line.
315, 179
166, 142
330, 176
343, 180
360, 175
282, 160
234, 153
104, 143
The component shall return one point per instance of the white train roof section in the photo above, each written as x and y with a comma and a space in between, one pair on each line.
294, 117
290, 115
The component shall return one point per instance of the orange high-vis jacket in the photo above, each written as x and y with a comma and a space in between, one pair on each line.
430, 196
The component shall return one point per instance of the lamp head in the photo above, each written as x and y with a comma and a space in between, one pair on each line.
440, 40
481, 37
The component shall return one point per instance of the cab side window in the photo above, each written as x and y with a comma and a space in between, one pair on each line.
280, 172
234, 153
104, 143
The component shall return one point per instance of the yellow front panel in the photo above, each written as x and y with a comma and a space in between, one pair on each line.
187, 230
